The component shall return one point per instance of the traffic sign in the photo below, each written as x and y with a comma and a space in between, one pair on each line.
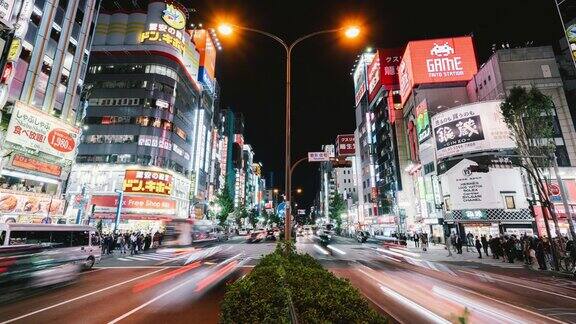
281, 209
318, 156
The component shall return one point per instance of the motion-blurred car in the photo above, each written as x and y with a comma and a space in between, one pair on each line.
26, 268
324, 236
242, 232
362, 236
256, 236
270, 235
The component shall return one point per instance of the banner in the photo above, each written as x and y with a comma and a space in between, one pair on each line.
33, 131
134, 205
28, 203
31, 164
471, 128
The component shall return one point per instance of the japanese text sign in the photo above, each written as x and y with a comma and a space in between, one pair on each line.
148, 181
34, 131
382, 72
471, 128
318, 156
345, 145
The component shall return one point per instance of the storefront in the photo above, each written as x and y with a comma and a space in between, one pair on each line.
150, 196
39, 151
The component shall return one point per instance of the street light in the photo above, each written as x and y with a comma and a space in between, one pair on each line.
299, 191
350, 32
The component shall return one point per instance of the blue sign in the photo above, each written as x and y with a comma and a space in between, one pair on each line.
281, 209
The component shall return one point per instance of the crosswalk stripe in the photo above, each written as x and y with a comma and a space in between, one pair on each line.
123, 259
136, 258
153, 257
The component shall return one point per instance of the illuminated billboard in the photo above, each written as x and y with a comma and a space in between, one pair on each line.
436, 61
359, 76
471, 128
383, 71
345, 145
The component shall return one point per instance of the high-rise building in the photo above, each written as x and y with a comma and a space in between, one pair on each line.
52, 40
149, 118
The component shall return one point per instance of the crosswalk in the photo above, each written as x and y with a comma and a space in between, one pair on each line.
147, 257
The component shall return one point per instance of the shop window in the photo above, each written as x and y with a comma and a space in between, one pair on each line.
510, 203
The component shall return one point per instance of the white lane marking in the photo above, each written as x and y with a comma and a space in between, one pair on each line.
80, 297
122, 259
333, 248
155, 258
116, 320
320, 249
140, 267
428, 314
135, 258
524, 286
474, 305
407, 302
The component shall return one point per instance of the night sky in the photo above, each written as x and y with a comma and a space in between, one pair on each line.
250, 69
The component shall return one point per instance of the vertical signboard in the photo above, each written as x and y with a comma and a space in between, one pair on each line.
422, 121
359, 76
345, 145
383, 71
6, 7
567, 14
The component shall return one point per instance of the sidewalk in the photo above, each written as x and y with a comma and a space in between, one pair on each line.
438, 253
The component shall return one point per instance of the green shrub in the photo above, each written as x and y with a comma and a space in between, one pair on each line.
317, 295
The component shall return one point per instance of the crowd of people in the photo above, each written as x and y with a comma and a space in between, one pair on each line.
531, 250
130, 242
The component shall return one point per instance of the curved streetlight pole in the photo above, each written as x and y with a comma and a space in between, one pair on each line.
287, 162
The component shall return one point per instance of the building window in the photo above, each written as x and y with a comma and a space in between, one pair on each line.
510, 203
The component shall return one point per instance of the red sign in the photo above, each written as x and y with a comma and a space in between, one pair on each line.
134, 205
27, 163
148, 181
61, 141
345, 145
382, 72
436, 61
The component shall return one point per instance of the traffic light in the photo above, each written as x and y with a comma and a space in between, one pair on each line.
479, 168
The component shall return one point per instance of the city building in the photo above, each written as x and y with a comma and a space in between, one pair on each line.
50, 50
148, 119
534, 67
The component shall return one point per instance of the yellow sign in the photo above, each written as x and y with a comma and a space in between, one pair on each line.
14, 51
174, 17
157, 36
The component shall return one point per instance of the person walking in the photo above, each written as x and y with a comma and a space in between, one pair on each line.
492, 245
458, 244
484, 244
121, 244
133, 244
469, 241
147, 242
449, 245
479, 248
416, 240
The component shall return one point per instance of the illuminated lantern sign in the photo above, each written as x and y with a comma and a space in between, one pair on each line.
148, 182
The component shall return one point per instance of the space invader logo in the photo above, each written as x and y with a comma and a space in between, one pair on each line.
442, 50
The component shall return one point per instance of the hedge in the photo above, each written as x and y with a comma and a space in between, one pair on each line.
263, 296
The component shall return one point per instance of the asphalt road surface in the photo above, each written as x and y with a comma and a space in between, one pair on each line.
412, 290
183, 286
186, 286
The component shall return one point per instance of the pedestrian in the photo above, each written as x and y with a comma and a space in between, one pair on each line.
449, 245
540, 254
492, 245
479, 248
133, 244
120, 243
469, 241
458, 244
416, 240
484, 244
424, 241
147, 241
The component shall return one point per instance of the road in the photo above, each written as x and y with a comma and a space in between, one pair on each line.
187, 286
413, 290
153, 287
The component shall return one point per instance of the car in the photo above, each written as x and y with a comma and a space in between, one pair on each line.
256, 236
24, 268
362, 236
270, 235
324, 236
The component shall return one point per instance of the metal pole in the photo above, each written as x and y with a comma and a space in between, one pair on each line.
287, 161
118, 209
564, 198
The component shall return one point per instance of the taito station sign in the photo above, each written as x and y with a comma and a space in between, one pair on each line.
436, 61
